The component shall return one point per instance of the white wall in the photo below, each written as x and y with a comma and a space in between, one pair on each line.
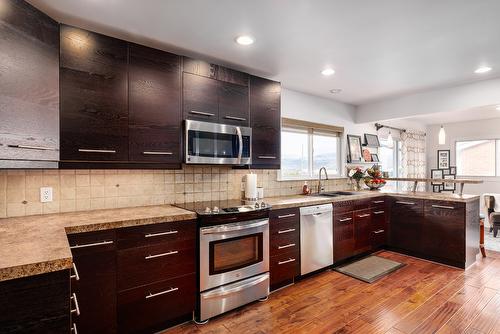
301, 106
458, 98
481, 129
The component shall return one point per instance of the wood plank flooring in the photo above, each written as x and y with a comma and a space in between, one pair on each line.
422, 297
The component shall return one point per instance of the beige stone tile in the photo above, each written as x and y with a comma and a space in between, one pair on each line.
198, 197
207, 187
19, 172
188, 188
96, 192
169, 178
82, 180
33, 208
16, 209
68, 193
111, 191
82, 192
50, 181
198, 178
97, 203
67, 181
189, 178
16, 181
82, 172
111, 202
97, 171
179, 188
32, 195
33, 181
96, 179
158, 178
15, 195
50, 207
179, 178
147, 178
66, 172
189, 198
50, 172
180, 198
68, 205
198, 187
83, 204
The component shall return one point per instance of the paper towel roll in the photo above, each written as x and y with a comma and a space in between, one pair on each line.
251, 186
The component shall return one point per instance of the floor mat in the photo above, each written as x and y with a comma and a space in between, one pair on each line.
370, 269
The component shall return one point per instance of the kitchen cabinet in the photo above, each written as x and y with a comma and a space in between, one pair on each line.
214, 71
29, 87
233, 104
284, 243
94, 112
343, 234
155, 121
93, 283
265, 121
200, 98
379, 226
362, 231
156, 276
36, 304
407, 215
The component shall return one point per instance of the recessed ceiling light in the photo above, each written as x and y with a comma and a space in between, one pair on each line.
482, 69
498, 107
244, 40
328, 71
335, 90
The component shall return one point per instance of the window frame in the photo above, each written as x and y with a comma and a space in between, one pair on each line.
310, 129
497, 147
396, 155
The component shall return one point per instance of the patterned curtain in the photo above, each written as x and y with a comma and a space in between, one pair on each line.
413, 157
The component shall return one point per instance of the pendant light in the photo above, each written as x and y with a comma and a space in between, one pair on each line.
390, 141
442, 136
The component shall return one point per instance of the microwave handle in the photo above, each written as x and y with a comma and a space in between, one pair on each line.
240, 141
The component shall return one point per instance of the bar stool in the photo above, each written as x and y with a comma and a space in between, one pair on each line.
481, 234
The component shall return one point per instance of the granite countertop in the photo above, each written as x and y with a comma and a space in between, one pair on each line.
34, 245
38, 244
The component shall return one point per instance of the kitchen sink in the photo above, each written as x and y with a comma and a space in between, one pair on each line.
335, 193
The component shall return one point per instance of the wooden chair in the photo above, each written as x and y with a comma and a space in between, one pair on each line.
494, 217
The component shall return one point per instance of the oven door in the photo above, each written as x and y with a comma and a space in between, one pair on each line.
232, 252
210, 143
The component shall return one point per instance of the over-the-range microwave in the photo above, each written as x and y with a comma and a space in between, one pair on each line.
220, 144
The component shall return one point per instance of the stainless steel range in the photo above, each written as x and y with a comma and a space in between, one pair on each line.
233, 255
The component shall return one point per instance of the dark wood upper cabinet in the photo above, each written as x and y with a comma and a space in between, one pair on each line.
29, 87
232, 76
155, 122
233, 104
200, 67
94, 115
200, 100
265, 120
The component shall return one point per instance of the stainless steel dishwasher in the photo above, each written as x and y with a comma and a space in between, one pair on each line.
316, 237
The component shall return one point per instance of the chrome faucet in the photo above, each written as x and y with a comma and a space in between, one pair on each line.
320, 185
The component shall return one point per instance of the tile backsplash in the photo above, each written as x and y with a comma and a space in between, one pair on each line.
77, 190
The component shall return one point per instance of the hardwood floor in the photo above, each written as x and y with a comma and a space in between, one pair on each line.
422, 297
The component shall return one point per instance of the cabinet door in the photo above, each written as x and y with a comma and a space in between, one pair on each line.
233, 104
406, 224
200, 98
444, 231
199, 67
94, 115
95, 259
229, 75
29, 86
265, 120
362, 231
343, 231
379, 227
154, 105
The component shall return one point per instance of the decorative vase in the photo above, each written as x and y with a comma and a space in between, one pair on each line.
357, 185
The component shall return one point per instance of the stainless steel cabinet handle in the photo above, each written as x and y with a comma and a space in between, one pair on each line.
73, 329
286, 246
201, 113
75, 301
287, 216
378, 212
75, 276
234, 118
88, 150
443, 207
151, 295
364, 215
377, 202
379, 231
405, 203
248, 283
156, 153
94, 244
234, 227
286, 231
345, 220
150, 235
29, 147
240, 143
286, 261
161, 255
266, 157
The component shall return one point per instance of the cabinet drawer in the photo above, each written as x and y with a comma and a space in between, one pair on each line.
378, 202
155, 233
446, 209
284, 243
148, 264
284, 268
278, 217
378, 238
156, 306
92, 242
343, 207
379, 218
343, 236
285, 228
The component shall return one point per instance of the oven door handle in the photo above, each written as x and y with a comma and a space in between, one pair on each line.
231, 228
240, 142
216, 294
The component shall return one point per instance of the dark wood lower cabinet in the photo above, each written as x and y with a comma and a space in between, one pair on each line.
407, 215
36, 304
156, 306
362, 231
379, 227
343, 233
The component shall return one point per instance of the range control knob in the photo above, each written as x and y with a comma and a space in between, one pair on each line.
215, 209
207, 210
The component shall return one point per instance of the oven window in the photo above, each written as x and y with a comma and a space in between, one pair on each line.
235, 253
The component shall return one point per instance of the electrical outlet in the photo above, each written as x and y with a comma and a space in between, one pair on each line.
46, 194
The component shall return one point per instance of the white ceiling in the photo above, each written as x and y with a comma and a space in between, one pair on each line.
479, 113
379, 49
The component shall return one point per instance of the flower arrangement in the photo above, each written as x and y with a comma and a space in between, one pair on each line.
374, 178
356, 174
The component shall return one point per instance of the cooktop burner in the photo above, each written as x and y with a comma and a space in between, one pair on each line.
223, 207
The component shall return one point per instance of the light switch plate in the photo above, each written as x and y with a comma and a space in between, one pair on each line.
46, 194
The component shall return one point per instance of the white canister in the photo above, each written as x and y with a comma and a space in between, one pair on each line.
251, 187
260, 192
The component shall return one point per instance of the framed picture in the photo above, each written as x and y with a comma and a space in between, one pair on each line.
446, 172
436, 174
367, 156
448, 186
354, 148
371, 140
375, 158
443, 159
437, 188
453, 170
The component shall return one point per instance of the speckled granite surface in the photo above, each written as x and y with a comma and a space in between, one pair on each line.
33, 245
38, 244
